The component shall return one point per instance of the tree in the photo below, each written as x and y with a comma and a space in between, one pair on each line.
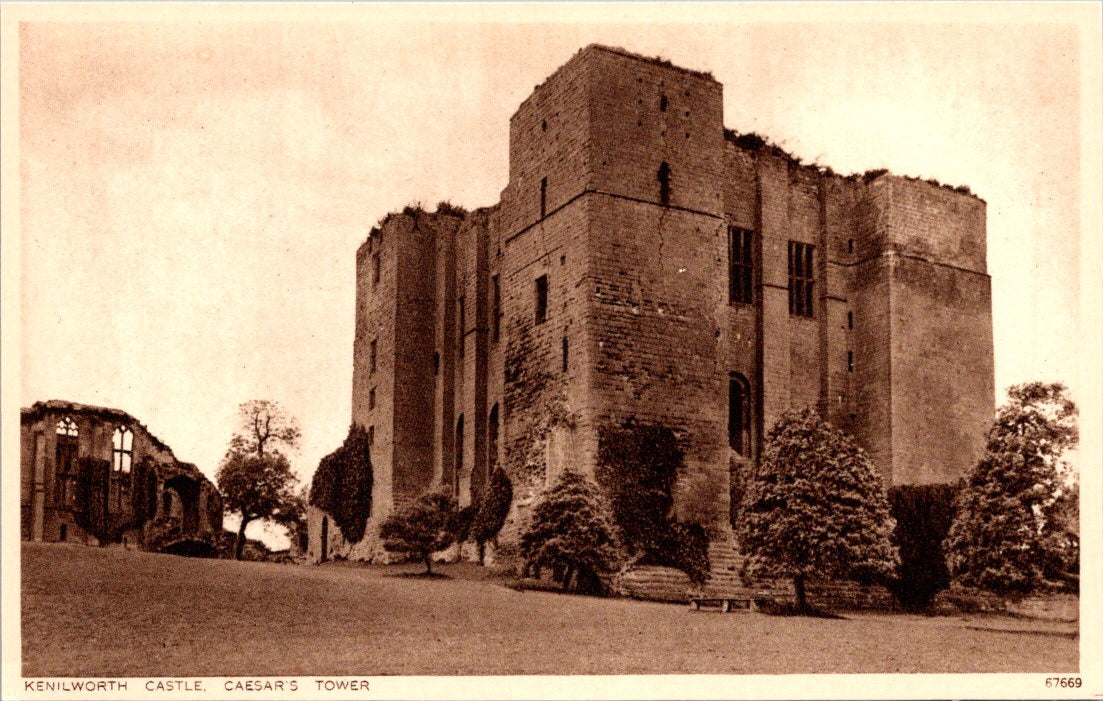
1011, 511
816, 508
255, 477
490, 510
342, 484
424, 527
571, 533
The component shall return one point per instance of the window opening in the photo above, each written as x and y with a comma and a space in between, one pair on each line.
801, 279
123, 441
461, 313
495, 308
663, 177
850, 361
740, 266
492, 440
662, 103
371, 356
543, 197
371, 398
459, 457
375, 269
541, 299
850, 320
566, 352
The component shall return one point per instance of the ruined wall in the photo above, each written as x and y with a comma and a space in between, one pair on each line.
50, 498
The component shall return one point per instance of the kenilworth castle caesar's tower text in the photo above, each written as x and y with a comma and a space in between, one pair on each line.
646, 262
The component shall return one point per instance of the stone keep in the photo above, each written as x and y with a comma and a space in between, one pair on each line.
646, 262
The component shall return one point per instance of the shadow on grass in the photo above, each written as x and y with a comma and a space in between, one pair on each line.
785, 608
418, 575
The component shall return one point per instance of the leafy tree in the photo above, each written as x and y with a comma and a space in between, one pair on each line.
571, 533
258, 487
1011, 508
491, 509
422, 528
817, 508
342, 484
923, 514
255, 477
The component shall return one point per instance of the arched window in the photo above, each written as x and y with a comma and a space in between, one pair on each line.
739, 414
459, 457
65, 462
492, 440
123, 442
663, 177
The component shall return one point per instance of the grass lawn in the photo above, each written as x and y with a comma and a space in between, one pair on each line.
111, 612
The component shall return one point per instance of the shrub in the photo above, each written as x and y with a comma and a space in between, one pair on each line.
491, 509
923, 515
342, 484
816, 508
1010, 505
571, 533
422, 528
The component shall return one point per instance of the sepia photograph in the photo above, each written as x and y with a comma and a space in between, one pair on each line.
688, 350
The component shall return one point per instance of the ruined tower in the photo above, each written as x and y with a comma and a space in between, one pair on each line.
646, 262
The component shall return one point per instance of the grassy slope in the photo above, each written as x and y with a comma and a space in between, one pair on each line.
111, 612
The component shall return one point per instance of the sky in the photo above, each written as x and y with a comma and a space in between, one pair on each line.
192, 193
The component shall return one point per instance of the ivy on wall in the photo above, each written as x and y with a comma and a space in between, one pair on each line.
342, 484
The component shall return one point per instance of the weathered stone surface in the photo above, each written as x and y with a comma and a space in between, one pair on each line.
636, 320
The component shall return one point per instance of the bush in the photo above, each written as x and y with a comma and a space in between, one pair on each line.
923, 515
571, 533
491, 509
422, 528
816, 508
342, 484
966, 600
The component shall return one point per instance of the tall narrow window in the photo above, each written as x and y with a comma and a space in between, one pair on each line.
739, 414
492, 440
495, 308
459, 457
543, 197
850, 320
123, 442
662, 103
65, 460
663, 177
436, 363
371, 398
541, 299
801, 279
461, 315
566, 353
740, 266
850, 361
371, 356
375, 269
371, 435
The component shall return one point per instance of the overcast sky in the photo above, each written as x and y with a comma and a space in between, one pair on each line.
193, 193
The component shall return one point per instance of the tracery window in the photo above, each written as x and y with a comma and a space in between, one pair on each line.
123, 453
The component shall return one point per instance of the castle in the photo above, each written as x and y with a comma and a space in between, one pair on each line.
644, 262
86, 467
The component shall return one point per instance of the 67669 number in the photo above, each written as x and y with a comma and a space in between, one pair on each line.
1066, 682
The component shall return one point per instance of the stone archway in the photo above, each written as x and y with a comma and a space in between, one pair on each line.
187, 492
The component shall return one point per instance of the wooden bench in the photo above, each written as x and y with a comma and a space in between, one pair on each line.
725, 605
